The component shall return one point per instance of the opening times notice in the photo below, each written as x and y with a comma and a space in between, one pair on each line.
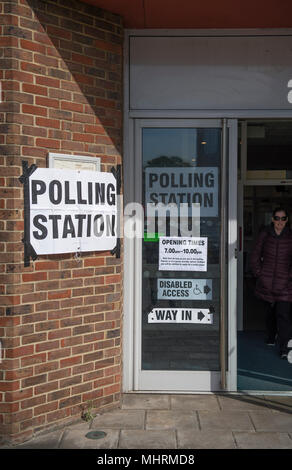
183, 253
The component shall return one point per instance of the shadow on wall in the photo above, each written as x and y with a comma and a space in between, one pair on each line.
78, 47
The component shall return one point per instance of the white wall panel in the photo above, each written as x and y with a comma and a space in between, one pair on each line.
228, 73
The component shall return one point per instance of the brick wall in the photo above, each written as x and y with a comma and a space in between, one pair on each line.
60, 318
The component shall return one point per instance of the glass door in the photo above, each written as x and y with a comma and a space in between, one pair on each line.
184, 261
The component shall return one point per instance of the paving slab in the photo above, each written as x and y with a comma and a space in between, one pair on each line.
49, 440
273, 421
194, 402
145, 401
120, 419
171, 419
242, 402
278, 403
225, 420
143, 439
76, 439
205, 439
262, 440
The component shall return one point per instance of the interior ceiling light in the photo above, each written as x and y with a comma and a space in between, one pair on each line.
204, 142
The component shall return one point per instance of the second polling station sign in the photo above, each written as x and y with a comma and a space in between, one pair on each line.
69, 211
184, 185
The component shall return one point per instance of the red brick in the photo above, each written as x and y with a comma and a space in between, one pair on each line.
58, 394
94, 262
9, 386
35, 297
59, 32
48, 81
20, 76
39, 410
92, 395
34, 422
18, 374
34, 359
31, 381
34, 277
45, 388
19, 352
32, 46
59, 374
82, 59
46, 265
48, 143
35, 338
71, 361
58, 415
106, 46
113, 279
60, 294
34, 89
50, 103
30, 403
67, 105
10, 299
9, 407
61, 333
47, 367
36, 110
18, 417
47, 346
59, 353
48, 122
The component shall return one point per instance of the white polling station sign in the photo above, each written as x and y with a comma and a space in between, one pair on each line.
184, 185
180, 315
72, 211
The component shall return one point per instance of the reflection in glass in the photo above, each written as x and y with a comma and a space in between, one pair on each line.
269, 149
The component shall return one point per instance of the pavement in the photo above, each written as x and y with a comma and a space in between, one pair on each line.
169, 421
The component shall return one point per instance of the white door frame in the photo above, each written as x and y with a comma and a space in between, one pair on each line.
177, 381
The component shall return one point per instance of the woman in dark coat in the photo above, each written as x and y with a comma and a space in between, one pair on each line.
271, 264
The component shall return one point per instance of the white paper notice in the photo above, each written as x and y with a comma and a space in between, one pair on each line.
180, 315
183, 253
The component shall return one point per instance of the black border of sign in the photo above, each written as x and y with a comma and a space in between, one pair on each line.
118, 175
29, 251
24, 179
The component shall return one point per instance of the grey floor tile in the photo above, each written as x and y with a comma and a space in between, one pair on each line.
242, 402
142, 439
194, 402
76, 439
274, 421
263, 440
46, 441
225, 420
120, 419
145, 401
205, 439
279, 403
171, 419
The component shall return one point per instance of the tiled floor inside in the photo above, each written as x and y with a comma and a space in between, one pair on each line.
165, 421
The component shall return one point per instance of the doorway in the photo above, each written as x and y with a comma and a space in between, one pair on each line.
184, 297
266, 167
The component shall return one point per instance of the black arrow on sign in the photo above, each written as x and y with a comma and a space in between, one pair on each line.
206, 289
201, 315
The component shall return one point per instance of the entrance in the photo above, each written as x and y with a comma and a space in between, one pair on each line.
266, 169
183, 274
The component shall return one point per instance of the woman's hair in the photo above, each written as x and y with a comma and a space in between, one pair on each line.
280, 209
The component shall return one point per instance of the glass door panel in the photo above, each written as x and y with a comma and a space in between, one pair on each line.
181, 166
179, 268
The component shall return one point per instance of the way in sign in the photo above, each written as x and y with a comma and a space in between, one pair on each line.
180, 315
